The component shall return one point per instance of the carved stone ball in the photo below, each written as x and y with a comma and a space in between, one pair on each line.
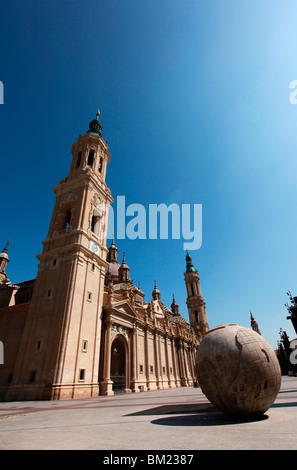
237, 370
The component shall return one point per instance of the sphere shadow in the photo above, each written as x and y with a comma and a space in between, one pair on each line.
212, 419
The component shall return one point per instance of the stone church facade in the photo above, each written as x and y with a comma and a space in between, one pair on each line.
82, 328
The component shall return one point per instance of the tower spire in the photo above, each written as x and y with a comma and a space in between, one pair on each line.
156, 294
6, 247
113, 259
124, 270
174, 306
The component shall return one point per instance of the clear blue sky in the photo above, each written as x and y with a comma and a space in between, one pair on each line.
194, 100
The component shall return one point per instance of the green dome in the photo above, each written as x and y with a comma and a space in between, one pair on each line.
190, 267
188, 257
95, 126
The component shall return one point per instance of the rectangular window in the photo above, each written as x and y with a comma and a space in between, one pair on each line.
91, 158
93, 267
78, 160
9, 378
85, 345
38, 346
141, 368
32, 376
152, 369
49, 293
54, 262
163, 370
196, 316
82, 374
90, 296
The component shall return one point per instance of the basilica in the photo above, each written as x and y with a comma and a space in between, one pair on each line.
82, 328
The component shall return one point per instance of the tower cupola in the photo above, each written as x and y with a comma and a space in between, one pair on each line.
156, 294
124, 271
95, 126
174, 307
113, 260
190, 268
113, 253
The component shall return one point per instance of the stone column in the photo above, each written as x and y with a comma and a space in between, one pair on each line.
182, 364
175, 365
134, 359
106, 384
161, 385
184, 349
167, 361
146, 355
157, 374
189, 376
190, 360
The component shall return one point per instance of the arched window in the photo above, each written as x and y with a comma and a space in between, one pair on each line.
68, 219
91, 158
64, 220
78, 160
192, 289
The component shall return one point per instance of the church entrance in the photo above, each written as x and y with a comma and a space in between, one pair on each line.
118, 365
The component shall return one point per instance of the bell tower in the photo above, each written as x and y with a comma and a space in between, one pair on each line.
195, 301
60, 348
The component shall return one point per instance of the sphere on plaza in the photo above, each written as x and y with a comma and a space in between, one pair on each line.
237, 370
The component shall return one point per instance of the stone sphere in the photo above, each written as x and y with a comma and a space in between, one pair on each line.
237, 370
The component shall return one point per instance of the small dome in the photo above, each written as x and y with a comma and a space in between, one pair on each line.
124, 265
156, 294
113, 245
190, 267
95, 126
173, 301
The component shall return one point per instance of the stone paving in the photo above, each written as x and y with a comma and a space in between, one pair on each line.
173, 419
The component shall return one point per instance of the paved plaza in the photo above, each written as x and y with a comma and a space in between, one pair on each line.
173, 419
